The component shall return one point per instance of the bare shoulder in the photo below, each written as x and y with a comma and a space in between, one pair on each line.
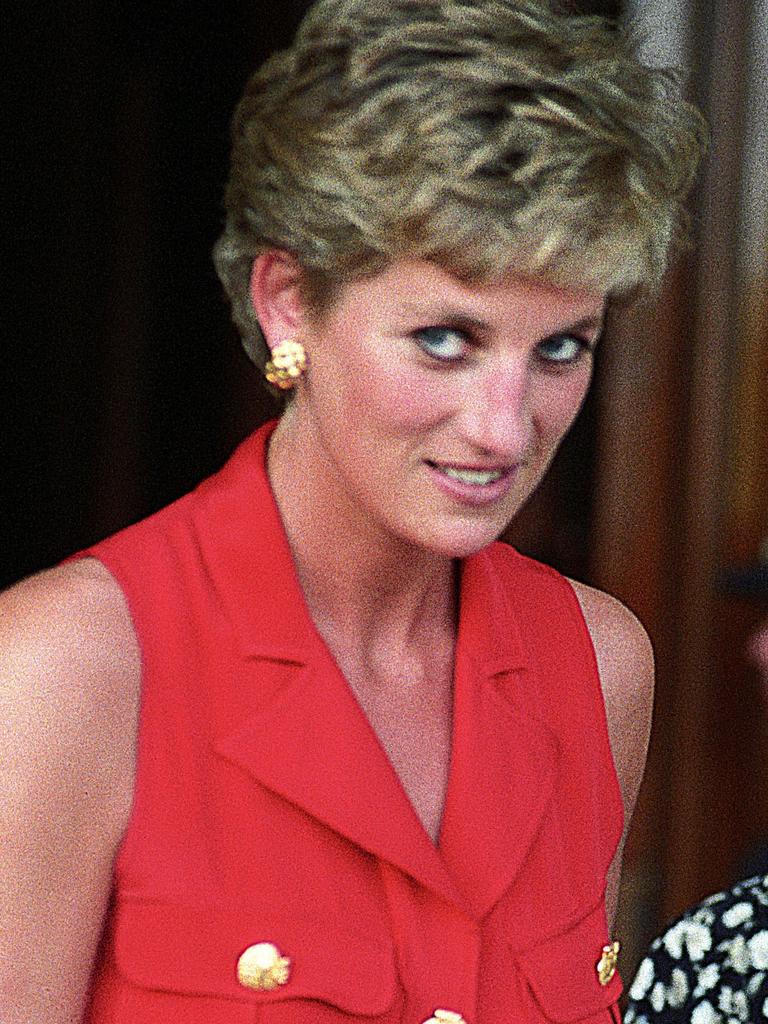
69, 685
623, 647
626, 666
67, 645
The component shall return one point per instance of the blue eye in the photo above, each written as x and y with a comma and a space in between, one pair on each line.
442, 343
562, 349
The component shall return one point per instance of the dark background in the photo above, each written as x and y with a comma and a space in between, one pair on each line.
125, 381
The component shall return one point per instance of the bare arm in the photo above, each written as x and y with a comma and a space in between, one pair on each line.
69, 674
625, 663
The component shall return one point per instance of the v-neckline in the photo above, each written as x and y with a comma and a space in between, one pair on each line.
308, 739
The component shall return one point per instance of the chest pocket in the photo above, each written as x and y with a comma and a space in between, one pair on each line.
180, 964
563, 977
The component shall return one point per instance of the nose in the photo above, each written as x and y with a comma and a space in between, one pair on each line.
497, 413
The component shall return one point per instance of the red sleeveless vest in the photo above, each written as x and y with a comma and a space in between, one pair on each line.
267, 815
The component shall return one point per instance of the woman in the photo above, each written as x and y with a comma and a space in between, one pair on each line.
369, 775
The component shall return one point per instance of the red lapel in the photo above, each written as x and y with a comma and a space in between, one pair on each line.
503, 759
310, 742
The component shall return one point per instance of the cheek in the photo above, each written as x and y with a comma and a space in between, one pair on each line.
559, 401
401, 397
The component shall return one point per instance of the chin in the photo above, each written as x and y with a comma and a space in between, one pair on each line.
461, 541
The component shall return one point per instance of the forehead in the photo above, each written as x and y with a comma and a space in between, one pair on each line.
413, 289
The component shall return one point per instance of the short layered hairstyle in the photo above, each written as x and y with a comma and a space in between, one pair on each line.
487, 136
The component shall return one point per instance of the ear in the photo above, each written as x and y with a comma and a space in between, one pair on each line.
276, 295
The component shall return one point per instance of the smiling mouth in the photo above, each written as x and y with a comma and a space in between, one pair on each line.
475, 477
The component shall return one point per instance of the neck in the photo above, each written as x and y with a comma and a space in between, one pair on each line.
365, 589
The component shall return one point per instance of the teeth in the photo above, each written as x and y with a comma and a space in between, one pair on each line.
472, 476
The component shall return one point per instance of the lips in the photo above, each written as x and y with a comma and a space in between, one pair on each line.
472, 486
472, 475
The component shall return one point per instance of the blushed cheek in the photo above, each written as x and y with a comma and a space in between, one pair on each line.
559, 407
406, 402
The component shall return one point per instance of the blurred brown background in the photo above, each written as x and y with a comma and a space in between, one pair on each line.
126, 384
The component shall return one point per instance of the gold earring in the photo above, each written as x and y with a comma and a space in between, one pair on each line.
288, 363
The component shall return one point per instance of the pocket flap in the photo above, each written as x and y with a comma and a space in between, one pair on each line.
195, 951
563, 975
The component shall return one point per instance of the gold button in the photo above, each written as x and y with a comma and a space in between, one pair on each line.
606, 965
445, 1017
263, 967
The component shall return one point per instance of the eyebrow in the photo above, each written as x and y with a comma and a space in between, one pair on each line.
465, 321
588, 323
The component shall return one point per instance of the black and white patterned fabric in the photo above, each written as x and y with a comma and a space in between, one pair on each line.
710, 966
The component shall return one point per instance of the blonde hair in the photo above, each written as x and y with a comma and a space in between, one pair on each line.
487, 136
